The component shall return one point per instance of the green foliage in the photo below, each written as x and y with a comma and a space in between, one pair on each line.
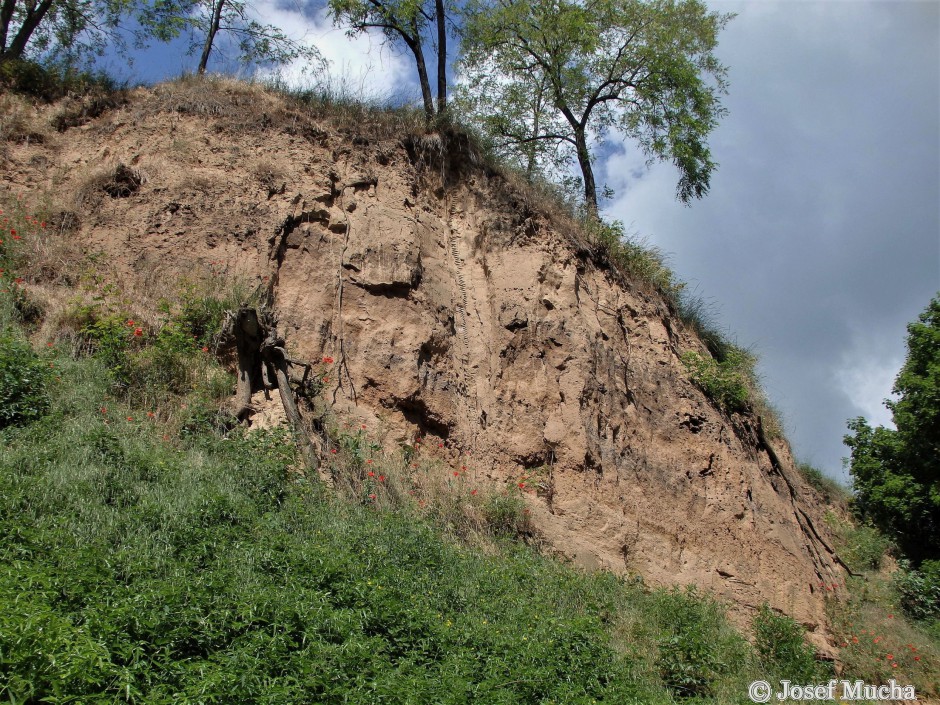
202, 20
543, 75
865, 547
63, 30
728, 382
896, 473
861, 546
52, 81
23, 380
145, 570
109, 337
505, 514
919, 589
783, 650
696, 651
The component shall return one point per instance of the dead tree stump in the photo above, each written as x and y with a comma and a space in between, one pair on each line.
263, 364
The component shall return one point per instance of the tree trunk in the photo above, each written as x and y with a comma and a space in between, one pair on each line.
441, 57
261, 353
414, 43
210, 35
587, 173
21, 39
6, 16
274, 355
248, 339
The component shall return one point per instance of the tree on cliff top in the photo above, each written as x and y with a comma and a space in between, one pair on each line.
414, 23
896, 473
549, 79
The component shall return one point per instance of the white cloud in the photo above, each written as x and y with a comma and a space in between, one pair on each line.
362, 67
866, 378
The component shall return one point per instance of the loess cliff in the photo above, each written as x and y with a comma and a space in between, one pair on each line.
457, 308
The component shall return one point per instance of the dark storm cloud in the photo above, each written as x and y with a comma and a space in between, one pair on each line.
820, 238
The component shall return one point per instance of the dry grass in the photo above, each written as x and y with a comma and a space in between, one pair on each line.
115, 181
270, 176
74, 111
20, 122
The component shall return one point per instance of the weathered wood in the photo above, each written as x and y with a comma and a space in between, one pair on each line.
275, 355
263, 363
247, 330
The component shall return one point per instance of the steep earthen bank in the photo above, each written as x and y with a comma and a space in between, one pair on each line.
455, 309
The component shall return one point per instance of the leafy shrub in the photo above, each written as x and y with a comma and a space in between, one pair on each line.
694, 653
919, 589
23, 379
728, 382
50, 82
781, 646
506, 515
865, 547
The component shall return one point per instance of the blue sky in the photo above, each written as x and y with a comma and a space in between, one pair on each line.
820, 238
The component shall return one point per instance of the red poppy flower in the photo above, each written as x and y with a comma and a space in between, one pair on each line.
12, 231
473, 492
521, 485
371, 496
369, 461
327, 360
130, 418
104, 410
18, 280
205, 349
440, 445
456, 474
363, 427
17, 237
333, 450
917, 658
381, 478
138, 332
130, 323
371, 473
150, 414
